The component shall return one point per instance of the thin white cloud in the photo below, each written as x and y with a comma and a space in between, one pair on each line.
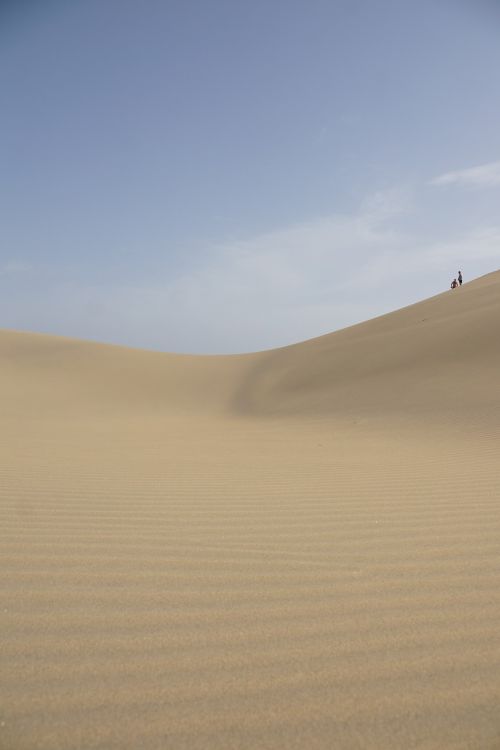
484, 176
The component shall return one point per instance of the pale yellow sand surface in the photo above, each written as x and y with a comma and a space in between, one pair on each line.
290, 549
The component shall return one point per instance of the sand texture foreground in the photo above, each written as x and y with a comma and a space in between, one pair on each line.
289, 549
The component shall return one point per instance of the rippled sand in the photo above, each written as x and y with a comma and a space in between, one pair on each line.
291, 549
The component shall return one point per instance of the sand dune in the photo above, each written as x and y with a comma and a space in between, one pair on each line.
289, 549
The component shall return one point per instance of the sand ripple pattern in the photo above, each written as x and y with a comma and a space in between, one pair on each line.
195, 578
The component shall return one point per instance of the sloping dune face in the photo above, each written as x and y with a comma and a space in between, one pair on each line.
435, 357
289, 549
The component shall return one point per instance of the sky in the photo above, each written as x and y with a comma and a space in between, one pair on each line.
223, 177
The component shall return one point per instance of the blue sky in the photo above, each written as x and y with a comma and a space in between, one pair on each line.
230, 176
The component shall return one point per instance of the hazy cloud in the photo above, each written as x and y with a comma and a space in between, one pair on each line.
484, 176
273, 289
299, 282
480, 244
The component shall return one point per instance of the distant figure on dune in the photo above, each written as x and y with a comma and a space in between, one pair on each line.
460, 278
454, 284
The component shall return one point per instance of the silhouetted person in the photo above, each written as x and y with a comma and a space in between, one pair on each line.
460, 278
454, 284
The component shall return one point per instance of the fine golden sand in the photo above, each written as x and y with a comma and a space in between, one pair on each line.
290, 549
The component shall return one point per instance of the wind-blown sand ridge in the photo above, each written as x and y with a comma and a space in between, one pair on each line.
292, 548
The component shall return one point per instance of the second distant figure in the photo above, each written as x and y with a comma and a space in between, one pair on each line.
460, 278
454, 284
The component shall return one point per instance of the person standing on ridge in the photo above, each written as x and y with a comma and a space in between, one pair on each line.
460, 278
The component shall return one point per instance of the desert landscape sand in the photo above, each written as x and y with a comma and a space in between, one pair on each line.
297, 548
